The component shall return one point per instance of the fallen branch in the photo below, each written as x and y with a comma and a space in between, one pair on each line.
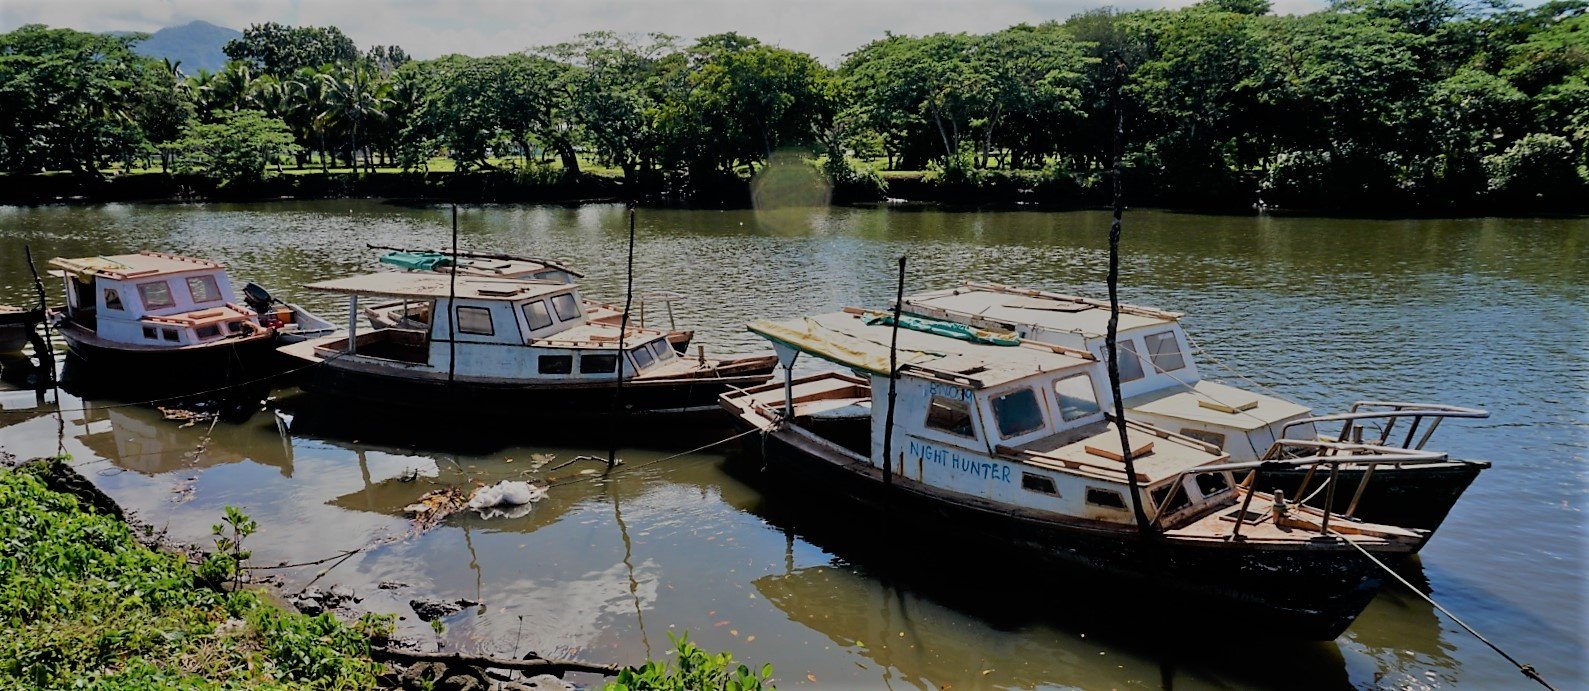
555, 668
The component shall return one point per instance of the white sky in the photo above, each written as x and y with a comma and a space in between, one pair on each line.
428, 28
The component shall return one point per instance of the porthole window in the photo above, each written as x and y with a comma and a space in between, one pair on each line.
150, 333
593, 363
1106, 498
555, 364
170, 335
1038, 484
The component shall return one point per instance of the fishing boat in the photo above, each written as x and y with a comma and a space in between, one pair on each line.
510, 346
1162, 386
1004, 438
153, 314
15, 326
401, 313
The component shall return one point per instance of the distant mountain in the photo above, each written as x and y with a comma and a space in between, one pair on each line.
196, 44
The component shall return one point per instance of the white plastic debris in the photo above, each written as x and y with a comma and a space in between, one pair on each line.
506, 493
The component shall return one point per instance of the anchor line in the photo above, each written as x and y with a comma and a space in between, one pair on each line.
637, 466
1526, 669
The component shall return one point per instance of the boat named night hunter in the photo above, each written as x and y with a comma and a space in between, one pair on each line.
1006, 437
1162, 386
510, 346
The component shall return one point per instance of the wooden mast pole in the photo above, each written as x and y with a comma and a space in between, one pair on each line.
452, 306
623, 333
893, 379
1111, 338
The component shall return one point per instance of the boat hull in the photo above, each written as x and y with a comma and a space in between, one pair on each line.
539, 401
105, 367
1300, 593
1416, 497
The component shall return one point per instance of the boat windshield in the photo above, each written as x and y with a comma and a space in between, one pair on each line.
1017, 413
1076, 398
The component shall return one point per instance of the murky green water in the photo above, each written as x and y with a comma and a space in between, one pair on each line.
1482, 312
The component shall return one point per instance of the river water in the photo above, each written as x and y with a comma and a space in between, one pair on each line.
1481, 312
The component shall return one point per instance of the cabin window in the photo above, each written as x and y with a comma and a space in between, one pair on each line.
662, 350
210, 331
1165, 351
1130, 361
203, 289
952, 415
112, 299
1204, 436
156, 295
150, 333
1038, 484
1211, 484
642, 357
553, 276
475, 320
591, 363
1018, 413
567, 309
170, 335
555, 364
1178, 502
536, 315
1076, 397
1106, 498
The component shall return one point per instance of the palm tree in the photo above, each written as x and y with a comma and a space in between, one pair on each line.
357, 96
232, 86
307, 105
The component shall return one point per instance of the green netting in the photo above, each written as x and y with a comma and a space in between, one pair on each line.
416, 261
949, 329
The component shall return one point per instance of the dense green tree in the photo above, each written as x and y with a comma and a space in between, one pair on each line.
237, 149
617, 90
280, 50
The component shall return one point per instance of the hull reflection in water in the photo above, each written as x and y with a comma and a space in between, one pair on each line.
941, 587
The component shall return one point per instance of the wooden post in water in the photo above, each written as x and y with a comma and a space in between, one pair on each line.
623, 333
1111, 338
452, 306
43, 347
893, 379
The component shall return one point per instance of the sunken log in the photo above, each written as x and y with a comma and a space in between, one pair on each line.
535, 665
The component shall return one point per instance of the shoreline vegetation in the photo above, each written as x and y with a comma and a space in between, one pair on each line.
1389, 107
90, 599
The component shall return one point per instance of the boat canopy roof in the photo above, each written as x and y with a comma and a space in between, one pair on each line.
1052, 311
1217, 404
438, 285
124, 267
859, 339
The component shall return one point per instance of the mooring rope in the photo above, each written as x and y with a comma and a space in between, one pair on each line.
637, 466
1527, 669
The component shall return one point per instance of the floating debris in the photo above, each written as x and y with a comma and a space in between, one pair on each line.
434, 506
188, 417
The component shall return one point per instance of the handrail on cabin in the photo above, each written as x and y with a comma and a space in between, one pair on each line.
1396, 410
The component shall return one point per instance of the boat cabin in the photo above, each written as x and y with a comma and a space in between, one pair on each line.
981, 417
152, 299
499, 331
1158, 378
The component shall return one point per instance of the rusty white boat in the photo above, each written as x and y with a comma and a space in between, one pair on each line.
410, 315
509, 346
1162, 386
165, 316
1005, 438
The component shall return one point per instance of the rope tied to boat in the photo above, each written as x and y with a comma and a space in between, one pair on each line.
1526, 669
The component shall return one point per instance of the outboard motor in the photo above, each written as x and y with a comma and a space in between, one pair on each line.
257, 298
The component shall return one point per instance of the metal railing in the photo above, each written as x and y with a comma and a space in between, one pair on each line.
1390, 412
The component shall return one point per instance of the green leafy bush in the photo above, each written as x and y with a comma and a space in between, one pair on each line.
82, 603
696, 670
1538, 166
